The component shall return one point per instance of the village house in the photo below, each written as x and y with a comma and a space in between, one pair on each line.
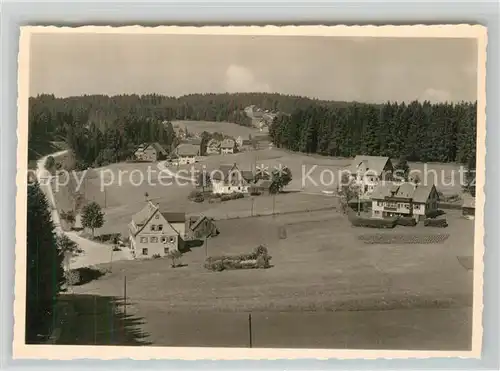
155, 233
213, 146
469, 206
368, 171
227, 146
187, 153
150, 152
404, 199
262, 186
230, 179
200, 227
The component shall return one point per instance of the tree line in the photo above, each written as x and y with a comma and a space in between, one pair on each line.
418, 131
101, 129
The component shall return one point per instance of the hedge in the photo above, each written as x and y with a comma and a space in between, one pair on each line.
440, 223
257, 259
406, 221
359, 221
232, 196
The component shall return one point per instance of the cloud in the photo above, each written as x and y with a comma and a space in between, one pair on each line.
435, 95
242, 79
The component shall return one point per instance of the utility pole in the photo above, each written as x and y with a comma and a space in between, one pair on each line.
125, 297
252, 205
250, 330
206, 245
104, 197
274, 203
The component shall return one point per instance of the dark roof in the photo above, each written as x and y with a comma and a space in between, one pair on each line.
246, 142
247, 175
405, 190
264, 183
227, 143
186, 149
159, 148
372, 163
174, 217
199, 221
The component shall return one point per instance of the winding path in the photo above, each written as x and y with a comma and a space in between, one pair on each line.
93, 252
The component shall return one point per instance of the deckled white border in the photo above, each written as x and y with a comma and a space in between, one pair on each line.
63, 352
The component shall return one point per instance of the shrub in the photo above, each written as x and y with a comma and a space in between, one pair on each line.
255, 193
257, 259
406, 221
156, 256
440, 223
199, 199
359, 221
232, 196
434, 214
195, 194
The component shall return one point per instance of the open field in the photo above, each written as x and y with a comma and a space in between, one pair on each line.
334, 291
226, 128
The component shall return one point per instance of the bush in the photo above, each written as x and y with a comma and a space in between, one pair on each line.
359, 221
434, 214
257, 259
194, 195
199, 199
255, 193
439, 223
232, 196
406, 221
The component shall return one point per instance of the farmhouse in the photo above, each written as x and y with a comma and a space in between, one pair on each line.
152, 232
187, 153
368, 171
199, 227
469, 206
150, 152
230, 179
213, 146
227, 146
404, 199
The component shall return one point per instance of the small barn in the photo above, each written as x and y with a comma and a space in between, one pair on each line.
469, 206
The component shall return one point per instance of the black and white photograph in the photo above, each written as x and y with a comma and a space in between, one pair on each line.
288, 189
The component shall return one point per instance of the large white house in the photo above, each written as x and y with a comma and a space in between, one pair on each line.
230, 179
368, 171
187, 153
155, 233
404, 199
227, 146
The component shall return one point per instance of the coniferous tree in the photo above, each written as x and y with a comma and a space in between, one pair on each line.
44, 275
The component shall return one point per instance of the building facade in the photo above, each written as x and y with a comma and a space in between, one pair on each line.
227, 146
151, 234
404, 199
150, 152
368, 171
230, 179
187, 153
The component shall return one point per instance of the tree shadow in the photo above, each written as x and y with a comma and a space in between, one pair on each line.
87, 274
98, 320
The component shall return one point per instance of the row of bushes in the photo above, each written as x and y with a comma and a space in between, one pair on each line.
406, 221
257, 259
440, 223
359, 221
198, 196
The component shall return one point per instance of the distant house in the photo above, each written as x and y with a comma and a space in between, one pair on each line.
469, 206
213, 146
230, 179
187, 153
150, 152
368, 171
152, 232
404, 199
227, 146
199, 227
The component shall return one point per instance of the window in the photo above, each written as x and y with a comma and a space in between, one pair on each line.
153, 227
154, 239
145, 251
157, 216
164, 239
172, 239
166, 250
160, 227
416, 207
144, 240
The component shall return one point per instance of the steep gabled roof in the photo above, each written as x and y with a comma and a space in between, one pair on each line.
227, 143
469, 201
158, 147
186, 149
373, 163
174, 217
422, 193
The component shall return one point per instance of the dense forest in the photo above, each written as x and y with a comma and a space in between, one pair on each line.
417, 131
102, 129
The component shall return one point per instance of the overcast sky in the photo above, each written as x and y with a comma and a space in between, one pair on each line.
362, 69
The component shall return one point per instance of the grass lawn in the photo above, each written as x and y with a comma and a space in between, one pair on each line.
226, 128
335, 291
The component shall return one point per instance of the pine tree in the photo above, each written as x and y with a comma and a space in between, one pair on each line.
44, 276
